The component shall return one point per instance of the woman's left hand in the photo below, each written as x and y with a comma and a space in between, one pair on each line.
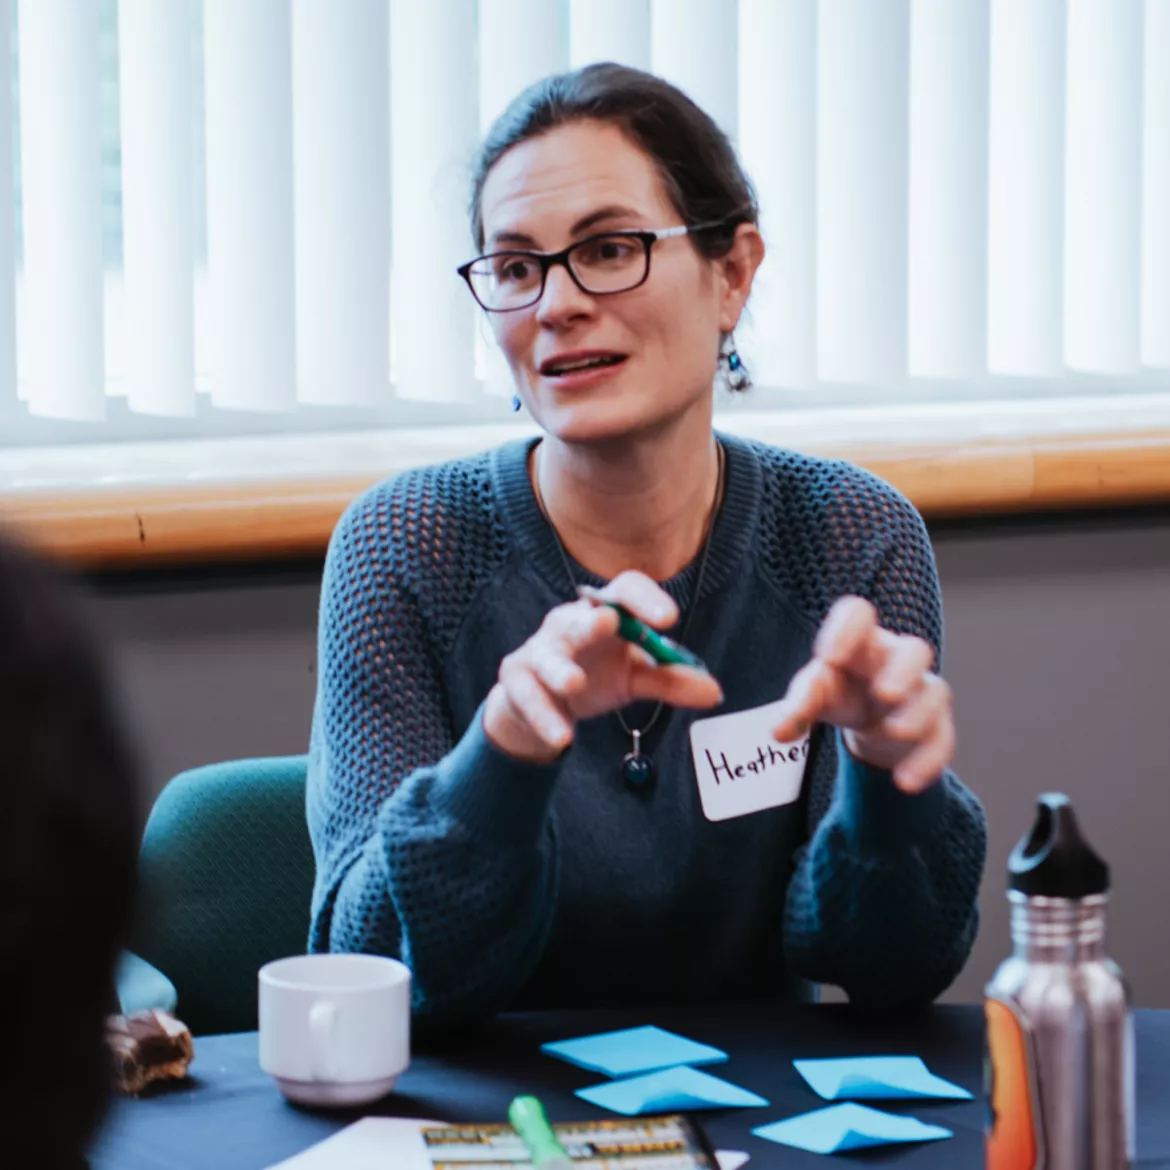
879, 688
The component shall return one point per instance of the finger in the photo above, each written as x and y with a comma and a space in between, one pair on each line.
678, 686
533, 704
925, 764
577, 626
814, 689
643, 597
916, 718
905, 670
559, 674
846, 631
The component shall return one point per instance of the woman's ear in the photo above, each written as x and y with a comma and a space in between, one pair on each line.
737, 271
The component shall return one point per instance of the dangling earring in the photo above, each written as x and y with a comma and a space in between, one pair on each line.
735, 373
516, 402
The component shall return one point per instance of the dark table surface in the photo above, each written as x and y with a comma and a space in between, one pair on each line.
230, 1116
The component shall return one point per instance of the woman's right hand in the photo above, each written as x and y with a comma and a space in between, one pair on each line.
575, 667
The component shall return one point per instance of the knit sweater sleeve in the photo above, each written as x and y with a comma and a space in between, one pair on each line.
884, 899
433, 848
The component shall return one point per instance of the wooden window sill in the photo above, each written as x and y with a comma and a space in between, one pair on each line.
266, 499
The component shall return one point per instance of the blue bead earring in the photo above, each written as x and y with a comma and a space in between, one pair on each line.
516, 402
735, 373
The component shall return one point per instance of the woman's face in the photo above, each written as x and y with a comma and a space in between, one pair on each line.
573, 182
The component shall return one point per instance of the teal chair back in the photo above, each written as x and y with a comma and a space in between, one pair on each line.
226, 877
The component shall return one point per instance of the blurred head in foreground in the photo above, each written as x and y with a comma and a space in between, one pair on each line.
68, 844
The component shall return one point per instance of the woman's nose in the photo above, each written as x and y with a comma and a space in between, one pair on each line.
562, 299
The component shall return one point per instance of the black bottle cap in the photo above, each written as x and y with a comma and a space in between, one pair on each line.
1054, 860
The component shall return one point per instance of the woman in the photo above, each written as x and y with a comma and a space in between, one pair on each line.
512, 798
68, 852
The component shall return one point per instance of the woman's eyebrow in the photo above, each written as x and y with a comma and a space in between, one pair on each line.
614, 211
518, 238
521, 239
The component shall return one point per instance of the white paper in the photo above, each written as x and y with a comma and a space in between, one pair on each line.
375, 1143
731, 1159
740, 768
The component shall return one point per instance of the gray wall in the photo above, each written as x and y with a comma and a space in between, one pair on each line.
1058, 649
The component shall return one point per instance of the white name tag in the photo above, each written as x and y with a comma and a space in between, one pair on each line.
741, 769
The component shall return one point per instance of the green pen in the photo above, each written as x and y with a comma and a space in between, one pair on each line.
530, 1121
665, 651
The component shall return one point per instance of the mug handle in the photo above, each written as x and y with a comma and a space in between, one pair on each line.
322, 1054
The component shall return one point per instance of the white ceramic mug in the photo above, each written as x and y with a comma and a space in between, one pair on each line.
335, 1029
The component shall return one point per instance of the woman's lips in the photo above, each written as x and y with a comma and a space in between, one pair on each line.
573, 379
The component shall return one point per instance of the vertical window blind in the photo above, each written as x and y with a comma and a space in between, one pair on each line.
258, 205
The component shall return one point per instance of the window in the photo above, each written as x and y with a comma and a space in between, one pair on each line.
244, 216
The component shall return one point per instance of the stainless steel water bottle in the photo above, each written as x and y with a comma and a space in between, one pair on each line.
1060, 1089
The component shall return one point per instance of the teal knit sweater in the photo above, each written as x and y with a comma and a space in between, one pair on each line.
504, 884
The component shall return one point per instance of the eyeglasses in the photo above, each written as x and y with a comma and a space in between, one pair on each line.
599, 265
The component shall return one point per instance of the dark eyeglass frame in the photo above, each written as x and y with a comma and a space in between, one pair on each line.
648, 237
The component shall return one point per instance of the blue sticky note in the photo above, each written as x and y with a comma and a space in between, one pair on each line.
670, 1090
633, 1050
876, 1078
848, 1127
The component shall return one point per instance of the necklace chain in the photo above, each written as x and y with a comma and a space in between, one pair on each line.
636, 733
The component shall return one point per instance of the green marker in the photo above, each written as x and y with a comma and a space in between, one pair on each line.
665, 651
530, 1121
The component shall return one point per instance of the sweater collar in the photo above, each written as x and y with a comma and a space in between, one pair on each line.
735, 526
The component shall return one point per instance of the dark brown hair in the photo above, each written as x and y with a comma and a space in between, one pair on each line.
68, 852
698, 165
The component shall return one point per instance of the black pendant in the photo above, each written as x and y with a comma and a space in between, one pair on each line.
638, 771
